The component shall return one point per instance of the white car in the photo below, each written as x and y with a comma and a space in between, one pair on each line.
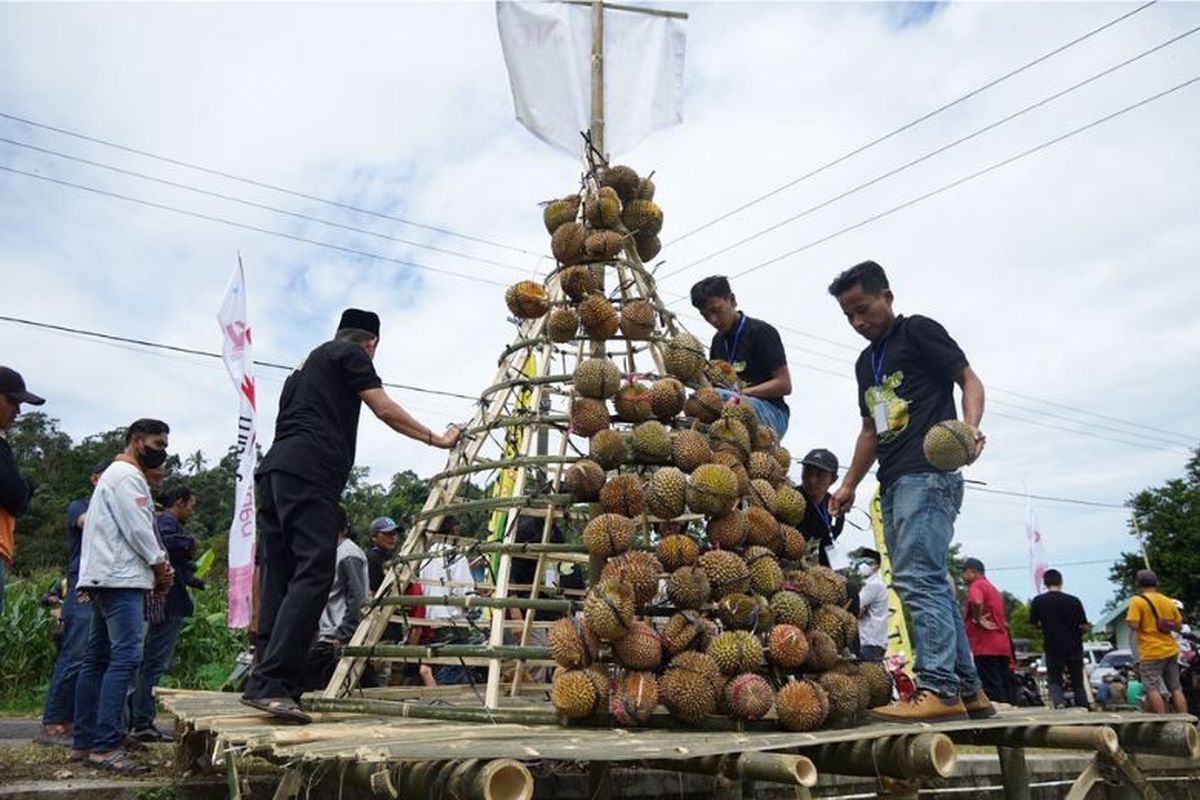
1108, 665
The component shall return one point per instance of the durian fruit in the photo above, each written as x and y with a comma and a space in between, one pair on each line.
739, 612
608, 448
608, 610
763, 465
949, 444
821, 585
623, 495
736, 651
766, 576
604, 245
667, 397
527, 299
632, 403
730, 434
790, 505
603, 209
728, 530
588, 416
712, 490
822, 652
677, 550
721, 373
634, 698
608, 535
562, 325
597, 378
642, 217
690, 449
684, 357
560, 212
787, 646
726, 571
623, 180
571, 644
732, 460
585, 479
801, 706
691, 686
765, 438
637, 569
763, 529
651, 443
647, 247
598, 317
794, 545
830, 620
645, 190
862, 688
762, 494
639, 649
688, 587
748, 697
637, 319
743, 412
791, 609
687, 630
783, 456
578, 693
704, 404
843, 694
579, 282
879, 682
567, 243
665, 494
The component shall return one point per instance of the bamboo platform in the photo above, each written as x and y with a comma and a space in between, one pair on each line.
367, 746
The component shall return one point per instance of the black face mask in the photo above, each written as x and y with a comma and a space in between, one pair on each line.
152, 457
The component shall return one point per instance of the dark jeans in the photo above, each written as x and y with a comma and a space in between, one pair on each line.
297, 552
59, 708
158, 653
871, 652
993, 674
1055, 664
114, 651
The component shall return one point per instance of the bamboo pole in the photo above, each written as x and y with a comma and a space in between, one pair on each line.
514, 503
468, 779
922, 755
790, 769
400, 708
525, 461
394, 651
597, 126
652, 12
1178, 739
1097, 738
477, 601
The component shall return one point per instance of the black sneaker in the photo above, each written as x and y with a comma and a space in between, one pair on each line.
150, 736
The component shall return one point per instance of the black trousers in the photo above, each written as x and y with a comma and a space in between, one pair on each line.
993, 674
297, 553
1055, 665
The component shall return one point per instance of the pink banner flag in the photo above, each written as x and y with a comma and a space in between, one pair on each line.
239, 362
1038, 561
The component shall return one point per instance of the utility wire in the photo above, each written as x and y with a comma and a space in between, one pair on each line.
264, 185
248, 227
936, 151
262, 206
913, 123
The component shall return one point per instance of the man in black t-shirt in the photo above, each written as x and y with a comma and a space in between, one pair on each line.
752, 347
1061, 619
818, 473
906, 379
297, 487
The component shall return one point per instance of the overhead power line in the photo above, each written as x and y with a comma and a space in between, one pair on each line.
934, 152
924, 117
245, 226
264, 185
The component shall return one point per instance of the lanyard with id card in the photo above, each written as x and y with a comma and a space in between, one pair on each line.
880, 410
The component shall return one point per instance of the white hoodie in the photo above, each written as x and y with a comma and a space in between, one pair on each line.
119, 543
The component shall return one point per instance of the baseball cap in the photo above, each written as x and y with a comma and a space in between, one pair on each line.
382, 525
1146, 578
821, 459
13, 385
870, 555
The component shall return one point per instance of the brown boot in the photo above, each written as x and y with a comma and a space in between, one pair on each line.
978, 705
924, 706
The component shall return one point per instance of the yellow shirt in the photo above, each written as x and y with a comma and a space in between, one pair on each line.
1153, 645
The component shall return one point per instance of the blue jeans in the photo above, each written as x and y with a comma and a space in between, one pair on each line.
158, 653
918, 524
769, 414
59, 708
114, 651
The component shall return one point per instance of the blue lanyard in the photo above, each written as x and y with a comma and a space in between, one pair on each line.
824, 515
732, 351
877, 366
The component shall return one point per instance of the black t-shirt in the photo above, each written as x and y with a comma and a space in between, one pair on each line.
757, 349
814, 526
317, 426
916, 361
1060, 616
524, 567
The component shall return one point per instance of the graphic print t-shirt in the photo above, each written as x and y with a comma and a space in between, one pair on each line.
756, 353
917, 361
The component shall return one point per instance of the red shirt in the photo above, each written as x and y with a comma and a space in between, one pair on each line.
984, 642
417, 612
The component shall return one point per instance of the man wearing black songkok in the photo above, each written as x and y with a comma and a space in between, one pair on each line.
298, 485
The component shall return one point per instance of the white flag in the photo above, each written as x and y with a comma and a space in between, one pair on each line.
239, 361
548, 50
1038, 561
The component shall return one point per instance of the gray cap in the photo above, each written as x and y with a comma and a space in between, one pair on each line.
821, 459
1146, 578
382, 525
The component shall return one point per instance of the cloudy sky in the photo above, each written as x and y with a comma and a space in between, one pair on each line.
1067, 276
